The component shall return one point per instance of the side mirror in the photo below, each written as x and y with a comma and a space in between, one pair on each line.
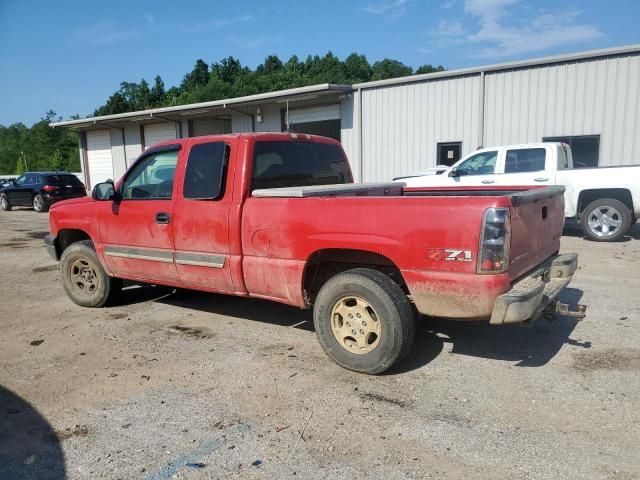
454, 172
104, 191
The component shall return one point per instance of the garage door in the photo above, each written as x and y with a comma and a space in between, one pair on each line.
210, 126
322, 120
315, 114
158, 132
99, 158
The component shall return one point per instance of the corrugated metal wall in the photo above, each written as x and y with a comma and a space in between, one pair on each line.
587, 97
402, 124
348, 133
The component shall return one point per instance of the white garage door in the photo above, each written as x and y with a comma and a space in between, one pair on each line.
210, 126
315, 114
158, 132
99, 158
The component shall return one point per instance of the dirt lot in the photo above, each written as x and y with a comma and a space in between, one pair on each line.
190, 385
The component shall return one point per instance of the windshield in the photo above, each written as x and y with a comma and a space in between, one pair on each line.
298, 164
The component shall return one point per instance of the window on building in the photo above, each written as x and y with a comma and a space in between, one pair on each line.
522, 160
585, 149
206, 171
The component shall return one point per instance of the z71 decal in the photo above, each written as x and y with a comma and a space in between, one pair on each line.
449, 255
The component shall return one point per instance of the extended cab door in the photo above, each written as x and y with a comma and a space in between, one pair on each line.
202, 215
137, 228
525, 166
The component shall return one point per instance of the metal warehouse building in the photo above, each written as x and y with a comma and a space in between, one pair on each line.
590, 100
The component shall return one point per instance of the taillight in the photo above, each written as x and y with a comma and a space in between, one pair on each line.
49, 188
493, 253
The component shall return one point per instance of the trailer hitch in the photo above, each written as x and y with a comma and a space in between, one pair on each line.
565, 310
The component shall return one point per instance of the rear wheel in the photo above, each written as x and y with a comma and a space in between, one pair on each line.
39, 205
364, 321
605, 220
83, 277
5, 205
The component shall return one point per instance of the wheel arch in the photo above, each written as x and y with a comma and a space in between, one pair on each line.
68, 236
325, 263
589, 195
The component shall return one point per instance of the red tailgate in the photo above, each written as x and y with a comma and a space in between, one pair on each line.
537, 220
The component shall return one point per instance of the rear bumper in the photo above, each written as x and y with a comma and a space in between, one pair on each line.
50, 245
531, 296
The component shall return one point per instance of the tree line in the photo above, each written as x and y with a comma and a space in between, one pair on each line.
43, 148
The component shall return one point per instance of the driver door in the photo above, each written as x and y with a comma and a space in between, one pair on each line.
19, 192
477, 170
137, 228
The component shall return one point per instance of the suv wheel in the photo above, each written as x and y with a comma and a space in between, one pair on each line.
5, 205
39, 205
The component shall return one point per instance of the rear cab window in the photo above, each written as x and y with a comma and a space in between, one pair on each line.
522, 160
278, 164
205, 174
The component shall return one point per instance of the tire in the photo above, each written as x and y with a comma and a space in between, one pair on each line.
83, 277
605, 220
39, 205
5, 205
383, 332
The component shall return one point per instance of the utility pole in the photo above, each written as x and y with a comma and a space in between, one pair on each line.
24, 159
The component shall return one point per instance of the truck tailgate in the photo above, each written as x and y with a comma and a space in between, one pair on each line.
537, 220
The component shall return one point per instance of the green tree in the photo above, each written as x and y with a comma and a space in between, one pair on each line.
20, 169
56, 162
157, 94
389, 69
357, 68
429, 69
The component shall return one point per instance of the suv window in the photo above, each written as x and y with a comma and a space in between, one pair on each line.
64, 180
524, 160
151, 178
206, 171
483, 163
21, 180
298, 164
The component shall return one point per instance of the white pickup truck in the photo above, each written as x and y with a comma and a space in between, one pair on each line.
605, 200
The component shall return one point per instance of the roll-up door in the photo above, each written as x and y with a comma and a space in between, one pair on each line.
159, 132
210, 126
315, 114
99, 160
321, 120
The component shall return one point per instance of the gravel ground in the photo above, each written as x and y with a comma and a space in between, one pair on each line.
190, 385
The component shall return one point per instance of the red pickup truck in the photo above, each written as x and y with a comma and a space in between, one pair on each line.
277, 216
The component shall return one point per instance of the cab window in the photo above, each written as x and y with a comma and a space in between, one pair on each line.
21, 180
151, 178
206, 171
483, 163
524, 160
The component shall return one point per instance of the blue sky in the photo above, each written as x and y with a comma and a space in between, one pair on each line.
70, 56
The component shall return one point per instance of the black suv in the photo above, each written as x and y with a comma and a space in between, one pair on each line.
40, 190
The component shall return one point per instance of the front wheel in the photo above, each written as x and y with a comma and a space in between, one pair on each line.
39, 205
364, 321
605, 220
5, 205
83, 277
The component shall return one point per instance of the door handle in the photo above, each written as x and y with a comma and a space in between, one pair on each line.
162, 217
488, 181
541, 179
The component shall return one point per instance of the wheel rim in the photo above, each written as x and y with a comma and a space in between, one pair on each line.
604, 221
84, 276
355, 325
37, 202
3, 201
